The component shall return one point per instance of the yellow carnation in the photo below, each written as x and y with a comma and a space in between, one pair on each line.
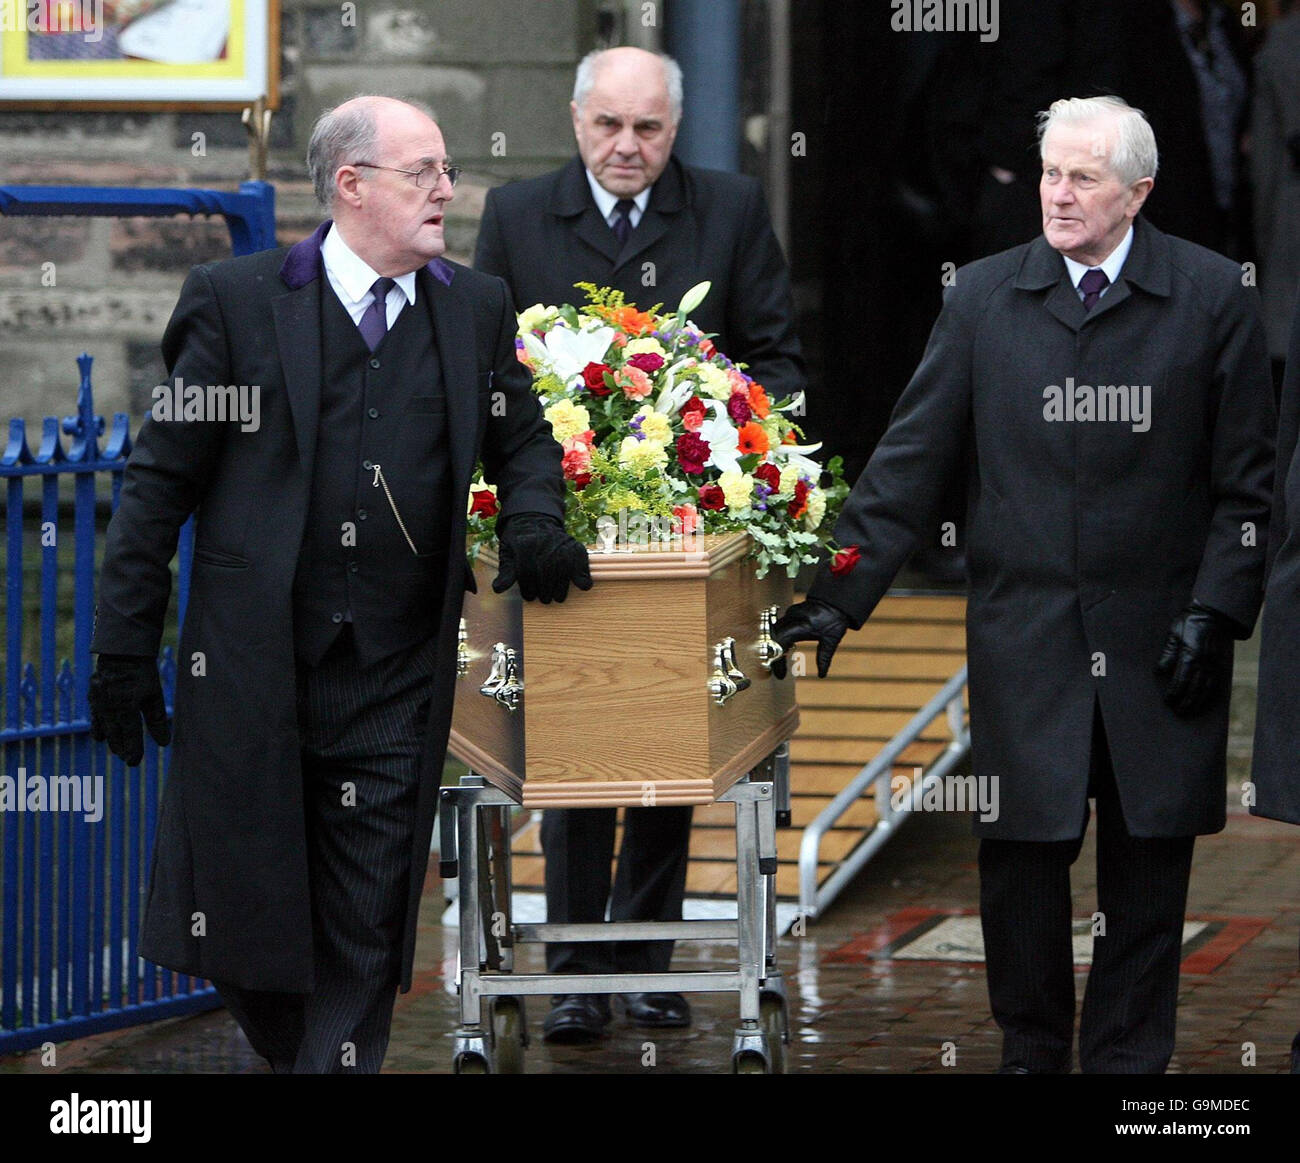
655, 425
640, 456
535, 316
647, 343
567, 419
789, 475
714, 382
737, 488
816, 508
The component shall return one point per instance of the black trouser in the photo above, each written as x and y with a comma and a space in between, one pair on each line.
651, 881
361, 734
1129, 1006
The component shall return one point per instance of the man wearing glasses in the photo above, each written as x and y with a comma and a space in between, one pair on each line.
315, 693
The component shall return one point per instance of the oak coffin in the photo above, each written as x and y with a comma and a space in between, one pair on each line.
620, 685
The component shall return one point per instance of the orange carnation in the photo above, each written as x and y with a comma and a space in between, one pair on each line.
758, 401
634, 322
752, 438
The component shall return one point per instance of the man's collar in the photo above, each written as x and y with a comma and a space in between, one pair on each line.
572, 195
302, 263
605, 201
1111, 265
354, 274
1147, 265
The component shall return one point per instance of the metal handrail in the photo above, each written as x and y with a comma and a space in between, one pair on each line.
949, 699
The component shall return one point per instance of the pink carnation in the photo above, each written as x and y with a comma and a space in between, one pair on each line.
686, 519
634, 382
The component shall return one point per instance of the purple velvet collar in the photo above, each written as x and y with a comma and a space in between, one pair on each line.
302, 263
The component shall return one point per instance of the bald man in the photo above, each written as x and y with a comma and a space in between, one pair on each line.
625, 213
314, 697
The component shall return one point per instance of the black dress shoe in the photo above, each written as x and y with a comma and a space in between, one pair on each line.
661, 1011
576, 1018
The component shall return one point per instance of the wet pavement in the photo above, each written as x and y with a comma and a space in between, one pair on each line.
854, 1007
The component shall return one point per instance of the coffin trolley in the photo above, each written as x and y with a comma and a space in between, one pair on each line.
652, 689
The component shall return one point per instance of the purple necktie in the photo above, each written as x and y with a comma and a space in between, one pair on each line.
623, 223
1092, 284
374, 323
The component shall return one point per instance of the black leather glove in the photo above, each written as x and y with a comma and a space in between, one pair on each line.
811, 619
538, 554
123, 688
1198, 656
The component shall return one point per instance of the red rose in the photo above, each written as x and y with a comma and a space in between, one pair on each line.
581, 481
845, 560
738, 408
692, 452
593, 375
770, 475
485, 503
712, 497
647, 361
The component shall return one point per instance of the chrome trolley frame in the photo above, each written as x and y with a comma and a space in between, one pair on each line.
475, 844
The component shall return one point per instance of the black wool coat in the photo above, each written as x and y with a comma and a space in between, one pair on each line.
1086, 537
1276, 772
545, 234
231, 838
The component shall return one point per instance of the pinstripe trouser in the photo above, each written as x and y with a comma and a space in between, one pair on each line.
1130, 1004
361, 733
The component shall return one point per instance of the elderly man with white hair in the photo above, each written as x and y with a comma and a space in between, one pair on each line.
626, 213
1105, 389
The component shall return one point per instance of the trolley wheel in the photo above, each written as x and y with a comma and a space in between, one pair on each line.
775, 1025
748, 1062
470, 1064
508, 1035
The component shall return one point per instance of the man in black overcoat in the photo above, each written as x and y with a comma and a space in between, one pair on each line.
317, 664
627, 214
1275, 775
1106, 390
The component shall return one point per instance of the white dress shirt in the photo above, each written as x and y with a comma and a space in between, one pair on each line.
352, 277
1111, 265
605, 202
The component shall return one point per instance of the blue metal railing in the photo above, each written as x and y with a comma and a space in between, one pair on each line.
77, 824
72, 886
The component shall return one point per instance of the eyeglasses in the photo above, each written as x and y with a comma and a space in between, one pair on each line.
426, 178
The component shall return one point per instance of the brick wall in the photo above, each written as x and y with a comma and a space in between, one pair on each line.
497, 74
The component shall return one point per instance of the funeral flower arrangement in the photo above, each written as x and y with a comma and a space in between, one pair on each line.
665, 437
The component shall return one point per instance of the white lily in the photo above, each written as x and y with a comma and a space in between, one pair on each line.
538, 356
810, 468
795, 405
568, 352
693, 298
673, 396
724, 440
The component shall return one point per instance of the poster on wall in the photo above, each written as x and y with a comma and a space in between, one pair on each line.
138, 54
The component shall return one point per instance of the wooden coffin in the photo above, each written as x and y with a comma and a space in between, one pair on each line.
617, 707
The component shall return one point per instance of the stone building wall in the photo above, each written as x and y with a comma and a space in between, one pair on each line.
497, 73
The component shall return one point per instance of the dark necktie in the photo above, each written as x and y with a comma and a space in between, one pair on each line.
374, 323
623, 223
1092, 284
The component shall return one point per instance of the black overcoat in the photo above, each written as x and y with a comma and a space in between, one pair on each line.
1086, 537
231, 842
1276, 772
544, 234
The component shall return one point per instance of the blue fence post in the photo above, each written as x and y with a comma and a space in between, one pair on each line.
53, 946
